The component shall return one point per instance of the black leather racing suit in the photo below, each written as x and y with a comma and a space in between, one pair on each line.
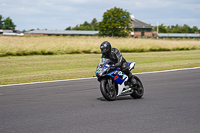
116, 57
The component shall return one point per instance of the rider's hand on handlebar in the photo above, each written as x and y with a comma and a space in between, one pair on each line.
115, 65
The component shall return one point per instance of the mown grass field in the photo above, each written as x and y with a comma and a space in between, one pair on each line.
26, 69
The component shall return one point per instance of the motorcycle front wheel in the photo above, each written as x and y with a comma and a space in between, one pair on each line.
109, 93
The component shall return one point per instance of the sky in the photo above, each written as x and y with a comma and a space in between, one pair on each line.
60, 14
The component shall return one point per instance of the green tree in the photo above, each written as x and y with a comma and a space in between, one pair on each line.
68, 28
85, 26
177, 29
115, 23
8, 24
1, 22
162, 29
94, 24
185, 29
195, 29
24, 31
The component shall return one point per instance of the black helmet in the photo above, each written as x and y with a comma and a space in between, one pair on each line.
105, 47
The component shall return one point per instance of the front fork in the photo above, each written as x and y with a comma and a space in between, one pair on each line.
111, 84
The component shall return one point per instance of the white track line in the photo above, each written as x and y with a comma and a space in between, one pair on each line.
95, 77
169, 70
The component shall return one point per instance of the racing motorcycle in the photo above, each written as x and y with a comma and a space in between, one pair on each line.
114, 83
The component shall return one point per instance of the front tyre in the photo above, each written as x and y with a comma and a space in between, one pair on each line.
139, 91
109, 93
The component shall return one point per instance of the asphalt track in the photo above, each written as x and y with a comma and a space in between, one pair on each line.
171, 104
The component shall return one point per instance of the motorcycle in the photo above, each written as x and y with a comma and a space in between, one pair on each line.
114, 83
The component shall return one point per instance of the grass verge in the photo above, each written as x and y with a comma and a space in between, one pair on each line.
26, 69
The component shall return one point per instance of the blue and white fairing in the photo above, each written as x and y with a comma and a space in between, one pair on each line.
117, 76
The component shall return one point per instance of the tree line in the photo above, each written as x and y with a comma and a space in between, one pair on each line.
93, 26
176, 29
6, 23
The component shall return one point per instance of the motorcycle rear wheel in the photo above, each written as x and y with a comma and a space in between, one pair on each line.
138, 92
108, 93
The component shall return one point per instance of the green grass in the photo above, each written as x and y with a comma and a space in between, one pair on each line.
26, 69
20, 46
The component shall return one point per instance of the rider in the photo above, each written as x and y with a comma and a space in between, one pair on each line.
116, 57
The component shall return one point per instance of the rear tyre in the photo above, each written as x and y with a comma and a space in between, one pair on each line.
139, 91
107, 92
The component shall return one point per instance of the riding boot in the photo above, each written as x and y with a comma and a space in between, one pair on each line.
131, 79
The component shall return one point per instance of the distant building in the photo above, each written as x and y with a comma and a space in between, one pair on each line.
141, 29
178, 35
62, 32
10, 32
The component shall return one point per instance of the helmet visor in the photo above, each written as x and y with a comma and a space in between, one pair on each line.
104, 48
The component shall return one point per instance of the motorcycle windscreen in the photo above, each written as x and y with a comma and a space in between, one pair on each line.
103, 61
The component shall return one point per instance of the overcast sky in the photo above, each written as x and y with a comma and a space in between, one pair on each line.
60, 14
